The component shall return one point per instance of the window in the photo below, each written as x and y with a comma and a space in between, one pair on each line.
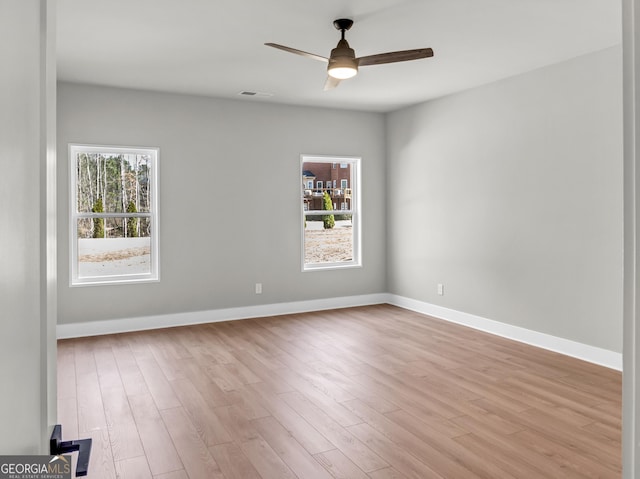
319, 185
344, 184
331, 236
310, 184
114, 214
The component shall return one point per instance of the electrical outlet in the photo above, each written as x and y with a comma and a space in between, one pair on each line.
258, 288
440, 289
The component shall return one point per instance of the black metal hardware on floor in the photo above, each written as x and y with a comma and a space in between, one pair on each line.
58, 447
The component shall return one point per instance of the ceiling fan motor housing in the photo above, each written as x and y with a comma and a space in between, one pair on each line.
342, 62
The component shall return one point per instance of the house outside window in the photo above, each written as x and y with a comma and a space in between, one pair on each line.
113, 214
331, 217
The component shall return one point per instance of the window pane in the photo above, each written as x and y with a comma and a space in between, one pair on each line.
113, 183
334, 245
326, 180
113, 254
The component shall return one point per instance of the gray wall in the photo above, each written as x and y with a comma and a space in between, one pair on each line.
229, 199
511, 196
27, 322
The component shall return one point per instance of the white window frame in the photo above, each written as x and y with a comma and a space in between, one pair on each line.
344, 184
154, 274
319, 185
355, 212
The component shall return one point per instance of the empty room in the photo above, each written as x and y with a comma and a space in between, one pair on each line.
347, 239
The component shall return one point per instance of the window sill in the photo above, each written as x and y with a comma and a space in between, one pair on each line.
329, 266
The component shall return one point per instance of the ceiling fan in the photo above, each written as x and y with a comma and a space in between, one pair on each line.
343, 63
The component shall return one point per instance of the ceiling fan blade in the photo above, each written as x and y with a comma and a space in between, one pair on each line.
298, 52
331, 83
392, 57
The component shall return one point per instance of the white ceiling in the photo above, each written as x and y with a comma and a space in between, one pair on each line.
215, 47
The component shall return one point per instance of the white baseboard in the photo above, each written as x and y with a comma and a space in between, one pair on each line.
592, 354
567, 347
98, 328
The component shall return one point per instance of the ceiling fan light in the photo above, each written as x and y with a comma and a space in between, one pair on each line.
342, 73
342, 64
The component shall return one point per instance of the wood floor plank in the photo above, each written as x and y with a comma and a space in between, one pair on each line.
123, 432
339, 436
414, 404
565, 457
158, 446
167, 362
134, 468
374, 391
329, 406
400, 459
290, 451
355, 389
487, 422
244, 399
237, 424
223, 377
505, 463
132, 379
66, 370
202, 414
202, 382
264, 459
108, 373
90, 407
339, 465
181, 474
68, 415
262, 372
433, 423
443, 464
194, 454
232, 462
101, 463
487, 387
160, 389
411, 392
387, 473
606, 431
514, 454
307, 435
445, 443
602, 452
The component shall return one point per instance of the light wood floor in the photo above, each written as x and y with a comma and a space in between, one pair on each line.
375, 392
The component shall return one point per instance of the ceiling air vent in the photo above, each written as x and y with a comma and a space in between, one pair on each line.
255, 93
